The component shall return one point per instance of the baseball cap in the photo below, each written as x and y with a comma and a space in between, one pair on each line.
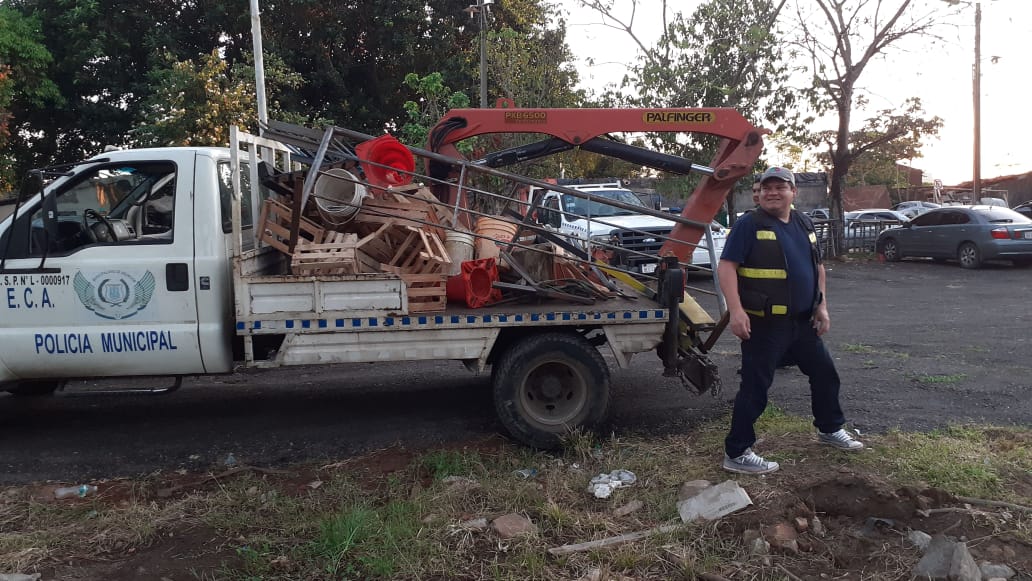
779, 173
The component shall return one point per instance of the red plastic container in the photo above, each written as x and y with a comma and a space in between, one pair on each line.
473, 285
386, 151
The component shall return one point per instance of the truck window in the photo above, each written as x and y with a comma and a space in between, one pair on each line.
124, 203
226, 196
601, 210
551, 212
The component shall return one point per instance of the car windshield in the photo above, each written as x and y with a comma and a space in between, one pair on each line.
581, 207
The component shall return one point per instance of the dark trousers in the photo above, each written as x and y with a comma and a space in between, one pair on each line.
769, 342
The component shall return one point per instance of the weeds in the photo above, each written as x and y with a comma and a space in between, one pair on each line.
863, 349
942, 379
413, 522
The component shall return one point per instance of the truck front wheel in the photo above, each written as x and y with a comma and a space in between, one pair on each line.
549, 384
32, 388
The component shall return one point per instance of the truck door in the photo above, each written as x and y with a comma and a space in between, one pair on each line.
97, 277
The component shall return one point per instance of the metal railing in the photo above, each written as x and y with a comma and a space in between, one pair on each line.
835, 237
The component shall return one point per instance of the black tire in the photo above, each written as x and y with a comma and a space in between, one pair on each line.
549, 384
890, 249
969, 256
32, 388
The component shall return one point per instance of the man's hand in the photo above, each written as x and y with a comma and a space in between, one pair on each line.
740, 324
821, 320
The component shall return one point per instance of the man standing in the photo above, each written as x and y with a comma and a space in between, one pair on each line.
773, 280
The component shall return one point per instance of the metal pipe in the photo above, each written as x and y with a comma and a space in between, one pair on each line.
259, 66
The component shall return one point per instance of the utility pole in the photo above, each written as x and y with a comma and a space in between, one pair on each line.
976, 181
481, 10
259, 66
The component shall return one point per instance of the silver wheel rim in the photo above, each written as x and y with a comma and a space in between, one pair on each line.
554, 394
890, 251
967, 255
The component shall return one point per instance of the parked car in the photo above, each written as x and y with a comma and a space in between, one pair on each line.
819, 214
914, 208
861, 227
1025, 209
970, 234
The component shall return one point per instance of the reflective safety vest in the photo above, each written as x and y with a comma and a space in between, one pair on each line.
763, 277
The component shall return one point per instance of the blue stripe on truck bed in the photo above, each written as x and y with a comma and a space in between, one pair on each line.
428, 321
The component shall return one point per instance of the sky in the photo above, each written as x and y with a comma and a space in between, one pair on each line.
940, 76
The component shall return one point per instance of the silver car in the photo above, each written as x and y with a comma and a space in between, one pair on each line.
914, 208
970, 234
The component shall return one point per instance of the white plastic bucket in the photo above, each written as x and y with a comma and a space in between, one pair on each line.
460, 249
337, 196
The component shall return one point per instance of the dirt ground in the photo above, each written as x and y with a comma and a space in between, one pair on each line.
919, 345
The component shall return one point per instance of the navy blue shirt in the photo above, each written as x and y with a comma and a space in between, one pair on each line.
795, 243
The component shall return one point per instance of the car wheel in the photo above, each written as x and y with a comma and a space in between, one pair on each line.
33, 388
969, 256
890, 249
547, 385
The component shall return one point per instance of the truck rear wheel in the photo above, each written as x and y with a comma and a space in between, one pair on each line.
549, 384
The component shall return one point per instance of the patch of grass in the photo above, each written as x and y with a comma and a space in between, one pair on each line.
947, 379
443, 463
863, 349
776, 421
958, 460
363, 541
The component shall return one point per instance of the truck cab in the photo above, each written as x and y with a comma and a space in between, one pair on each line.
635, 239
118, 266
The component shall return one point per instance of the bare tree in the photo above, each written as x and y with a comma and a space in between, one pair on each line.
841, 40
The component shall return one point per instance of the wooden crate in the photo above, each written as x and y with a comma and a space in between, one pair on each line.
418, 251
426, 292
275, 227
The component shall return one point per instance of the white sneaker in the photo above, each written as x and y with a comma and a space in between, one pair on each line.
749, 463
841, 439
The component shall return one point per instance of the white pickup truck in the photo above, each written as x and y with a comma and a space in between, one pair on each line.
634, 237
147, 263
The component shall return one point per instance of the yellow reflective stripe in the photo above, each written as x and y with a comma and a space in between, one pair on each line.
762, 272
766, 235
779, 309
756, 313
813, 238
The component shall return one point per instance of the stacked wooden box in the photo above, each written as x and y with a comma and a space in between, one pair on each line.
397, 231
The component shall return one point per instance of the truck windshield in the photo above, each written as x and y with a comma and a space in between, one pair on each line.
581, 207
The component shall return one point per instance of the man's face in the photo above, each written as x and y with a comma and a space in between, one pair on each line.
756, 193
776, 196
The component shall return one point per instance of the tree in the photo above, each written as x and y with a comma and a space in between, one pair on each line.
23, 67
841, 40
433, 100
885, 139
195, 103
724, 53
101, 53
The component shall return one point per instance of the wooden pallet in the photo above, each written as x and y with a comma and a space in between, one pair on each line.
418, 251
275, 227
339, 253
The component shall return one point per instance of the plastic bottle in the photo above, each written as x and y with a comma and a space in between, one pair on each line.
71, 491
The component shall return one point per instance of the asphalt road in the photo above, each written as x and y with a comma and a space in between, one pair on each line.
919, 345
